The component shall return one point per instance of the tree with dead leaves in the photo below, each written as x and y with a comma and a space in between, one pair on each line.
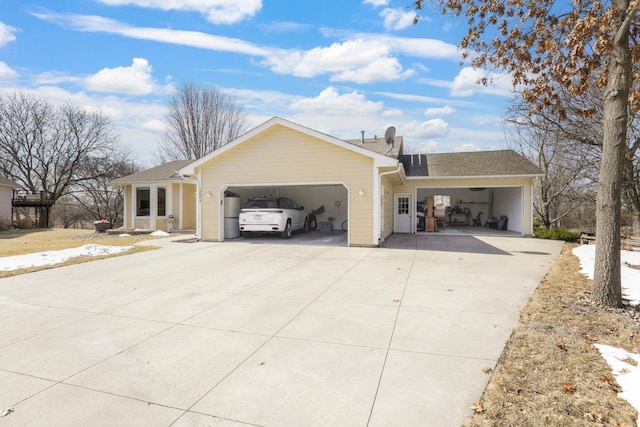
542, 43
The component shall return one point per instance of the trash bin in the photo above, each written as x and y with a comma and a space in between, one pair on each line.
170, 220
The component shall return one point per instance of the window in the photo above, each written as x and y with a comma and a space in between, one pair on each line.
442, 200
143, 201
162, 201
403, 205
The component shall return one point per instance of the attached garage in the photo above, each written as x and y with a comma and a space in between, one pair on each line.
288, 159
368, 182
332, 197
480, 186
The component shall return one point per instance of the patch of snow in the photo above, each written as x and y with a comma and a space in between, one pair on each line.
627, 374
630, 276
39, 259
160, 233
124, 235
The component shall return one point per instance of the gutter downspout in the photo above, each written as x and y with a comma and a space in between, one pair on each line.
399, 168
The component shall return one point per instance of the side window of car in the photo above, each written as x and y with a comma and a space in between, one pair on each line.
294, 204
285, 204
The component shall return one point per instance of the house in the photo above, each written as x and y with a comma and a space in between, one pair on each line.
368, 182
159, 198
6, 198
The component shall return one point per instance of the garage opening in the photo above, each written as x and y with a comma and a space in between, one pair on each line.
328, 202
493, 208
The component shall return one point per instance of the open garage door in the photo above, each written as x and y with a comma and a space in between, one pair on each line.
331, 199
501, 208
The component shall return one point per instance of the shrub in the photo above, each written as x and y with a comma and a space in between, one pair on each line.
556, 234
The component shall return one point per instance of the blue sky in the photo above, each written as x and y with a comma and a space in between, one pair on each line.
337, 66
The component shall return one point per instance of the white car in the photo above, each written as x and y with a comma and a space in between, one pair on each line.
275, 215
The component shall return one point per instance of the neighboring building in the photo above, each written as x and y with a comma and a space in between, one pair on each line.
154, 196
370, 183
6, 198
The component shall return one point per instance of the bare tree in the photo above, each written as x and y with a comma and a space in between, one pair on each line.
43, 147
200, 120
560, 190
97, 197
544, 46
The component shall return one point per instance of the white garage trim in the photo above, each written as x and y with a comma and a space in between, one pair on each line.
278, 184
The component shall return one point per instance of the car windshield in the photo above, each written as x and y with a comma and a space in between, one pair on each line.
261, 204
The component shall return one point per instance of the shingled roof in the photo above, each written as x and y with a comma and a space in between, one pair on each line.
164, 172
379, 145
475, 163
8, 183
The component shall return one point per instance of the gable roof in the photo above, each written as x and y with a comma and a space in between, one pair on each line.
165, 172
469, 164
380, 159
379, 145
8, 183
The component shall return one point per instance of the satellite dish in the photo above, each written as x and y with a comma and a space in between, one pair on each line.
389, 135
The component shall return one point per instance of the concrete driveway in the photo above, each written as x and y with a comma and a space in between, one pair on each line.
273, 335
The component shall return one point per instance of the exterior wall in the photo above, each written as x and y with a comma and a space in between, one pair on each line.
5, 203
386, 203
131, 221
282, 156
188, 206
524, 183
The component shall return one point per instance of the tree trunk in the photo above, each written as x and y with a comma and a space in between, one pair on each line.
607, 288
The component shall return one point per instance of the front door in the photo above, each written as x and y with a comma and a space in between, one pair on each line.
402, 213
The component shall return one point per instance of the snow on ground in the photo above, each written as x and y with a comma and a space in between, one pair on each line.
160, 233
626, 371
55, 257
626, 368
630, 276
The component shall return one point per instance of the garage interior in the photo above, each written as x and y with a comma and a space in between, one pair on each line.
333, 197
473, 207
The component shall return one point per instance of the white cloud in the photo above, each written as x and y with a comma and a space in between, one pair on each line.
6, 72
6, 34
330, 102
376, 3
216, 11
88, 23
382, 69
439, 111
397, 19
134, 80
285, 27
354, 60
466, 83
365, 59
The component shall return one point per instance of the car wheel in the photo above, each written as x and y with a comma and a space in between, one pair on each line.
305, 227
286, 233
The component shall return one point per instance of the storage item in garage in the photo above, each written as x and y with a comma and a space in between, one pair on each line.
325, 226
231, 213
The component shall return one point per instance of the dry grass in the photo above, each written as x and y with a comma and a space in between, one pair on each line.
20, 242
549, 373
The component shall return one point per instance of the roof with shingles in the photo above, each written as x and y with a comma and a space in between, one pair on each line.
379, 145
8, 183
165, 172
471, 164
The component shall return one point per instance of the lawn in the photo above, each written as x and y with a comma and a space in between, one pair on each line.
20, 242
550, 373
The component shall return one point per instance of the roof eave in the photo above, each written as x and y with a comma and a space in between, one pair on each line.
433, 178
